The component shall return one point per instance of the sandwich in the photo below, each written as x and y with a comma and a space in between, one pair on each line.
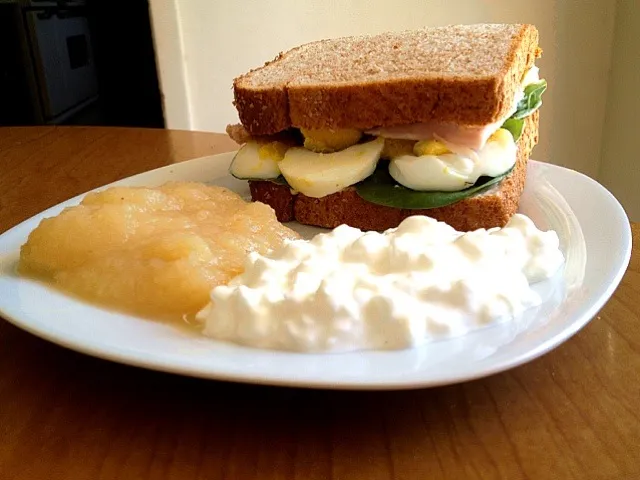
369, 130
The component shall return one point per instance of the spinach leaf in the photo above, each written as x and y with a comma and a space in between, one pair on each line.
381, 189
280, 180
530, 103
532, 99
515, 126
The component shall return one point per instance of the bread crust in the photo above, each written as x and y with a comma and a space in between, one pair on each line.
489, 209
364, 103
278, 197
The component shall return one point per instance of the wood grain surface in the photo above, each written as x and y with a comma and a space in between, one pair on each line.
572, 414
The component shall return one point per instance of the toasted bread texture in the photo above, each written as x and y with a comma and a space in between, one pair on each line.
491, 208
467, 74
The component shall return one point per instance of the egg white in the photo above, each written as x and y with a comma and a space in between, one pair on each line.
451, 171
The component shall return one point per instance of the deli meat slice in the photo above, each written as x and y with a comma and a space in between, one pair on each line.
470, 136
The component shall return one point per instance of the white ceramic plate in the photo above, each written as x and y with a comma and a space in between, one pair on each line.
595, 238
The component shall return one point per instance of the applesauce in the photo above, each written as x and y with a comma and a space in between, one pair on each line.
154, 252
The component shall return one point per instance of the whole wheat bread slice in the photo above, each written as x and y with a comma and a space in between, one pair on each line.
467, 74
491, 208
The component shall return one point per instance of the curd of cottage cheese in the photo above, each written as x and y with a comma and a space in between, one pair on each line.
349, 290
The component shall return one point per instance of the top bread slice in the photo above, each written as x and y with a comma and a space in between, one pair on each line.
466, 74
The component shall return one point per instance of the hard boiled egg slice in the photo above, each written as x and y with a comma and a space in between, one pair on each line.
452, 172
448, 172
258, 160
321, 174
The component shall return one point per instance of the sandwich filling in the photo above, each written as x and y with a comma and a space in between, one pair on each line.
416, 166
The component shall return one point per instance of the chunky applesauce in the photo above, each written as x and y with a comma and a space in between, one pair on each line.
152, 251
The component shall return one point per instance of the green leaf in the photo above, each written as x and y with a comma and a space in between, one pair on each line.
280, 180
531, 102
532, 99
515, 126
381, 189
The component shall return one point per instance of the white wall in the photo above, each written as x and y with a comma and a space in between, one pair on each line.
202, 45
620, 166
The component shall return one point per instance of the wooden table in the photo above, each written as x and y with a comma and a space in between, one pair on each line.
572, 414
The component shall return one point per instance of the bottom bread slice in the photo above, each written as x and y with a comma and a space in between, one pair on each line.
490, 208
